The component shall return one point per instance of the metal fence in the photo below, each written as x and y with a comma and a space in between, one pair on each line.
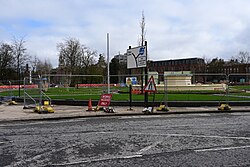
9, 89
170, 87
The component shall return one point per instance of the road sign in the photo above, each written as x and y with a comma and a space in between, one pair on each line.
105, 100
137, 57
150, 87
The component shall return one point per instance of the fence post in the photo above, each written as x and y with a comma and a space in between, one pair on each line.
24, 91
40, 93
165, 91
227, 87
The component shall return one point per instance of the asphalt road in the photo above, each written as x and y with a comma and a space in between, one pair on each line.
160, 140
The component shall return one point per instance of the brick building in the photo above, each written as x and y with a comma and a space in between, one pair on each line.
194, 65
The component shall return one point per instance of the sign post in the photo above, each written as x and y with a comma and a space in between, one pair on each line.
137, 58
150, 87
130, 88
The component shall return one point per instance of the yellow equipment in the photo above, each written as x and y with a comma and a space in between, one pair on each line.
44, 109
98, 108
49, 109
46, 103
162, 108
224, 107
12, 103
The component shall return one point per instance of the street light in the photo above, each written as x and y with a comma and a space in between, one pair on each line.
108, 63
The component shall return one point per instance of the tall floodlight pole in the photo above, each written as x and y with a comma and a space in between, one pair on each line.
108, 62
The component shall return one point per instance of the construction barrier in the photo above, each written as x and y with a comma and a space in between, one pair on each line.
90, 108
17, 86
136, 91
94, 85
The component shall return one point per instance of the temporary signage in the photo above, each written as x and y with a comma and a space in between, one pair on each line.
105, 100
150, 87
137, 57
131, 80
128, 81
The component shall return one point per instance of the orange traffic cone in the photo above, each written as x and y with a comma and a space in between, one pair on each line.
90, 105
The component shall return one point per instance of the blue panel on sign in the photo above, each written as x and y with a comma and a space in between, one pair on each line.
141, 51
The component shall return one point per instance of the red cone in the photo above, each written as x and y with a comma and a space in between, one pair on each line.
90, 105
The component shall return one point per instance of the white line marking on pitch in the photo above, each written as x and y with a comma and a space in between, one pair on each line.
221, 149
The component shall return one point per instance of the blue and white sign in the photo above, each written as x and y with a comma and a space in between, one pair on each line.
141, 50
137, 57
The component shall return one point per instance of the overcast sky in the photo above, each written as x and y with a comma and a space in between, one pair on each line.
175, 28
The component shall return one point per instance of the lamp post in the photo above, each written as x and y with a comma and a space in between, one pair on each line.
108, 63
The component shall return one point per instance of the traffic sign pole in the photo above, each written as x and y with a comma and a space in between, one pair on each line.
130, 90
150, 87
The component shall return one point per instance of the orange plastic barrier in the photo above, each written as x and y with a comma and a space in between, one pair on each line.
17, 86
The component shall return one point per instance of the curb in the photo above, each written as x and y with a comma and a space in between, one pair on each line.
119, 114
72, 102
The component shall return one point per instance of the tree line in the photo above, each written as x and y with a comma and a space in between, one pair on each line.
74, 58
13, 58
216, 65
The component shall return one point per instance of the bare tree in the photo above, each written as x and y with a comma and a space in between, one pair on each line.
33, 63
19, 52
243, 57
43, 67
6, 60
74, 58
87, 58
206, 59
143, 30
70, 53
